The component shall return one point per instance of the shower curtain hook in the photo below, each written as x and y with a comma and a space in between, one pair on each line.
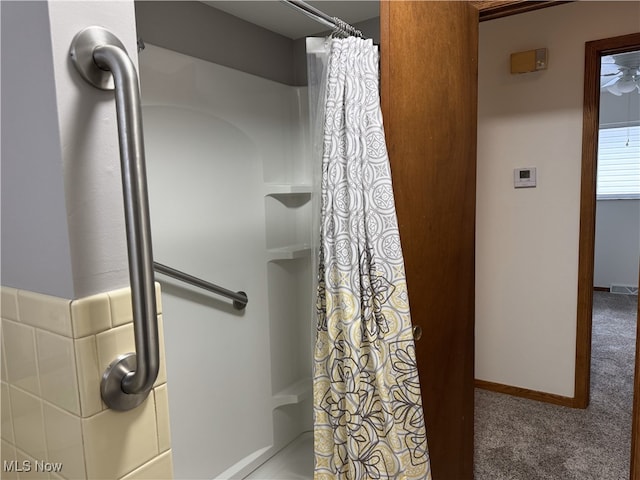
339, 30
344, 29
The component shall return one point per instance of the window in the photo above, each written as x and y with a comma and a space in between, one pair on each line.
618, 163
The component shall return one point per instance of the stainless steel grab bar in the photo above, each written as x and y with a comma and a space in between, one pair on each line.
102, 61
240, 299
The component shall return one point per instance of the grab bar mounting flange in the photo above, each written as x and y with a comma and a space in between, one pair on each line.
81, 52
111, 384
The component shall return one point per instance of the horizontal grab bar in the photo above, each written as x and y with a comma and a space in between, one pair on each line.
240, 299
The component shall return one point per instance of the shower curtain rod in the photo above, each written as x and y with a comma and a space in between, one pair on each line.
319, 16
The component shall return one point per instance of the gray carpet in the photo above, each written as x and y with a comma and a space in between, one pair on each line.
520, 439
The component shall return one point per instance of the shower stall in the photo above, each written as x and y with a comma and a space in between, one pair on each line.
230, 172
229, 175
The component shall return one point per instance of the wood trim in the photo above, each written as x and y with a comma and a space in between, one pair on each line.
525, 393
492, 9
586, 247
431, 139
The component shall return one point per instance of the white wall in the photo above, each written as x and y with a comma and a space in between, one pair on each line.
35, 241
617, 243
90, 151
62, 214
527, 239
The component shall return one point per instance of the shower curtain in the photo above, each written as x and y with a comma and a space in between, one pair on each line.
368, 414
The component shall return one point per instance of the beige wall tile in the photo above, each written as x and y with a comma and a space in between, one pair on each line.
46, 312
120, 339
90, 315
8, 454
158, 298
63, 433
6, 427
105, 348
118, 442
9, 303
89, 375
162, 417
120, 302
28, 424
162, 372
57, 370
3, 376
113, 343
160, 468
20, 353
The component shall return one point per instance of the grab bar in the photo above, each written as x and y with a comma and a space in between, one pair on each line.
102, 61
240, 299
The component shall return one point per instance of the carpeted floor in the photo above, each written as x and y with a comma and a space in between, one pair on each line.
520, 439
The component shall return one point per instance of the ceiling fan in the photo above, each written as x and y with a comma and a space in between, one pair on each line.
620, 74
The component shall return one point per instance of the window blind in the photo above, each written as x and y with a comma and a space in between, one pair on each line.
618, 163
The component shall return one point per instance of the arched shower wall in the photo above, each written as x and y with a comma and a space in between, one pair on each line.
229, 185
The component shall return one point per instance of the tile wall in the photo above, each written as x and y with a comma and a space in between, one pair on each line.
54, 423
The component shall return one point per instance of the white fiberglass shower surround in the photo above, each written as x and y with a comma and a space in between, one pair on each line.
229, 175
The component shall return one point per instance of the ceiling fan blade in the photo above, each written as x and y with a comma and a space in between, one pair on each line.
609, 82
609, 69
614, 90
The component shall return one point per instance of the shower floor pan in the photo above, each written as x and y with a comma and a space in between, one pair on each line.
294, 462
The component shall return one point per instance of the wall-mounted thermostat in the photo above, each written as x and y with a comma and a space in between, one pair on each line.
524, 177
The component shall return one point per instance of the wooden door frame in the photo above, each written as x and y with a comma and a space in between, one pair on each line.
492, 9
593, 52
431, 139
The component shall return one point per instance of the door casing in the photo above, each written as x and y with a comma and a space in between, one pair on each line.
431, 132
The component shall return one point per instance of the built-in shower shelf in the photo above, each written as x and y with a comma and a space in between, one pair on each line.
290, 252
294, 393
287, 189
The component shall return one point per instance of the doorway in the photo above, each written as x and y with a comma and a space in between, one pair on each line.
594, 51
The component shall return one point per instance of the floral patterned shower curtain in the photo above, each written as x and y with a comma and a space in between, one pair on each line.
368, 414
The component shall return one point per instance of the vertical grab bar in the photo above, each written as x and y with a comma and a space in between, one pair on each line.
102, 61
